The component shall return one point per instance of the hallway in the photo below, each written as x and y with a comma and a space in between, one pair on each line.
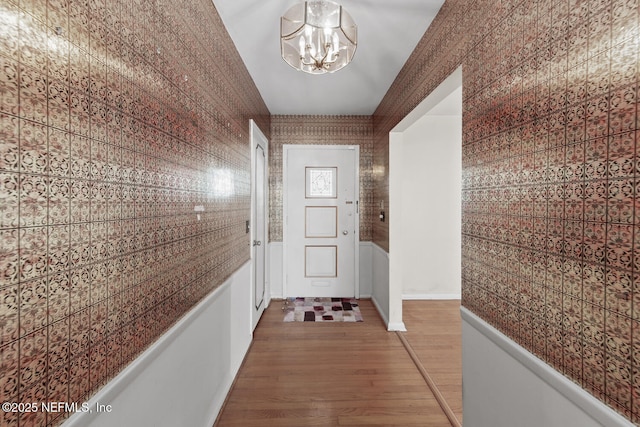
126, 218
348, 374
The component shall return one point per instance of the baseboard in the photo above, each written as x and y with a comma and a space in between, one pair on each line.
431, 296
504, 381
396, 327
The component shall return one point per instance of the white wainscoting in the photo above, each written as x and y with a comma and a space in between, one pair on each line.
184, 377
366, 269
276, 278
380, 281
505, 385
276, 275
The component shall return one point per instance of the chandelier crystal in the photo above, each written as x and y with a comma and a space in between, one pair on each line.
317, 37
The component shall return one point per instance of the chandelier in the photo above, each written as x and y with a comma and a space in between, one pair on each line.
317, 37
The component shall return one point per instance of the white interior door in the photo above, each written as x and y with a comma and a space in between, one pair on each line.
258, 221
321, 224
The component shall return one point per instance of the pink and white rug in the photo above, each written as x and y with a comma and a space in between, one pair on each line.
322, 310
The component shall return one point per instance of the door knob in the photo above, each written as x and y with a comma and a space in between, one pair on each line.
345, 232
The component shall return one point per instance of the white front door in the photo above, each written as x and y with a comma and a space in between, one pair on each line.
258, 220
321, 224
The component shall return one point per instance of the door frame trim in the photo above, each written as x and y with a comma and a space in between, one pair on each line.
254, 134
356, 168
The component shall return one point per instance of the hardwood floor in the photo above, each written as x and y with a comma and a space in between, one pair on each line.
434, 331
331, 374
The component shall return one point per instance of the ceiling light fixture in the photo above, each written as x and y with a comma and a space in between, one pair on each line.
317, 37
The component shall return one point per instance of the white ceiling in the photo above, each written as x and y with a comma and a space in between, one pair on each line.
388, 31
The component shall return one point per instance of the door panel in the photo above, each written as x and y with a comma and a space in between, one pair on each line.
321, 221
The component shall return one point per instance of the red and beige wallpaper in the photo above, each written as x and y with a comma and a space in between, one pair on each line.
551, 234
117, 119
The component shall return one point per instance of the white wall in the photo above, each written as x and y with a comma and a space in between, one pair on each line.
430, 211
184, 377
425, 154
445, 100
396, 230
505, 385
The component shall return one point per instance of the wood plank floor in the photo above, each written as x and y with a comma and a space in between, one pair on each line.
329, 374
434, 331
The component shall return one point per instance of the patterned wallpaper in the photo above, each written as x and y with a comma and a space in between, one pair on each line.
321, 130
550, 177
117, 118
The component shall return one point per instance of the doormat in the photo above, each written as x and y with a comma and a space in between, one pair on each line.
322, 310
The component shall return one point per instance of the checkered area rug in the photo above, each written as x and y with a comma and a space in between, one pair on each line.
322, 310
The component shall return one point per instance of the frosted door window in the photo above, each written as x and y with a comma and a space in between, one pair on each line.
321, 183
